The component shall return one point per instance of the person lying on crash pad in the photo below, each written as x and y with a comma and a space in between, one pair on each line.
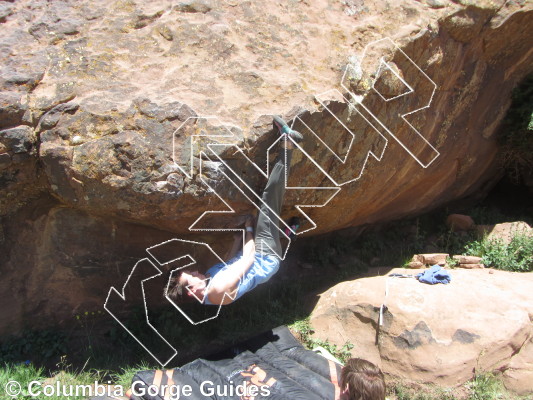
260, 257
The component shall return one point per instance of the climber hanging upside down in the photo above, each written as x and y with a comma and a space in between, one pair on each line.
260, 257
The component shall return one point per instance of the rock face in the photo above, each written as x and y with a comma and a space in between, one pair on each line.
436, 333
70, 262
104, 91
506, 231
99, 103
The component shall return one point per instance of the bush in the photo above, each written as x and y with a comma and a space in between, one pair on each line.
515, 256
34, 345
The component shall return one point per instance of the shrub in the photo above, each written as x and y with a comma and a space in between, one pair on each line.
34, 344
515, 256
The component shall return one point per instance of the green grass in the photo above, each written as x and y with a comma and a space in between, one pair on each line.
483, 386
305, 331
21, 373
400, 391
24, 374
66, 375
487, 386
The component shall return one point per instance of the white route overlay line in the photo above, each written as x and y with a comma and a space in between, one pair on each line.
230, 210
378, 74
123, 297
357, 99
378, 157
171, 276
299, 207
258, 198
192, 141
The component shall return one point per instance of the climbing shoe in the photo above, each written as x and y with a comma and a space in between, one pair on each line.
294, 224
285, 130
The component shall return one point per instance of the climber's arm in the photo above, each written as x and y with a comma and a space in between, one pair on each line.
227, 280
237, 241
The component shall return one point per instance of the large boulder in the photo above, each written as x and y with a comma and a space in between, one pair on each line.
105, 85
102, 106
481, 321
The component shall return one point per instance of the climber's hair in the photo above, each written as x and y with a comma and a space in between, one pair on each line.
363, 380
178, 288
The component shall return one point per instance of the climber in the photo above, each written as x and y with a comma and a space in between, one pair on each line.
260, 258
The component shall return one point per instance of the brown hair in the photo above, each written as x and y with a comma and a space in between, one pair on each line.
363, 380
177, 288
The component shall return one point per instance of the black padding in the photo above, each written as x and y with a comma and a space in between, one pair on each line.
275, 365
298, 372
313, 361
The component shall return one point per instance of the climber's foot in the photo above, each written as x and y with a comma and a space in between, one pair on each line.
285, 130
294, 224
